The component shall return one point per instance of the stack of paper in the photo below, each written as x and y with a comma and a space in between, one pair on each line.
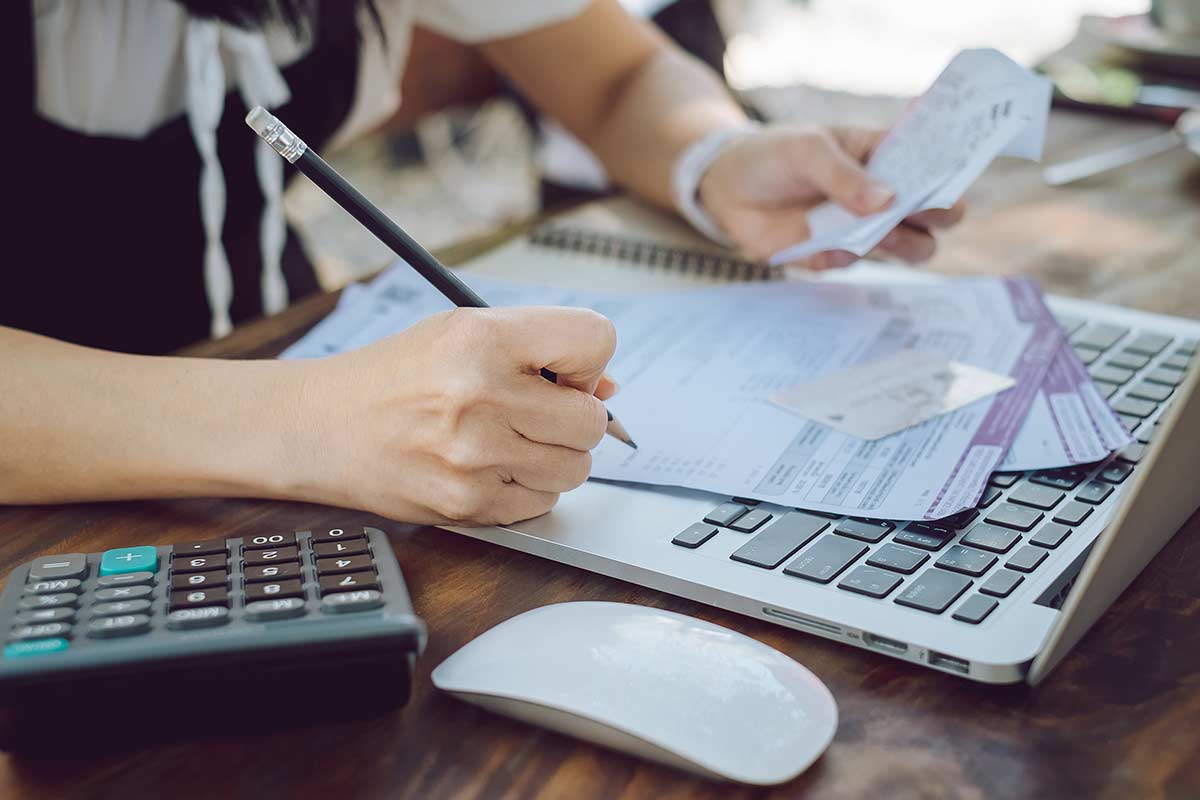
982, 106
698, 369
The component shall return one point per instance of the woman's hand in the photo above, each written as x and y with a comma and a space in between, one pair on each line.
761, 187
451, 421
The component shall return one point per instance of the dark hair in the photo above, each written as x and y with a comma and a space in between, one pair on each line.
332, 18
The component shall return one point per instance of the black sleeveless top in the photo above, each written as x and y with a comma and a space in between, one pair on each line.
104, 244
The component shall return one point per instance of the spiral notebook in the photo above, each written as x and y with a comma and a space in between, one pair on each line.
618, 244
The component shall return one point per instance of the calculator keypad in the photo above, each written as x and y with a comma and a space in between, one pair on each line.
207, 583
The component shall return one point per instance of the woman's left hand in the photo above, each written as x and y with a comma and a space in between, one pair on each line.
762, 186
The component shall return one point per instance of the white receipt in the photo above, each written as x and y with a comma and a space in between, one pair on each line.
697, 369
982, 105
888, 394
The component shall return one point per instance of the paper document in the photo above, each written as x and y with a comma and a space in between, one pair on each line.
983, 105
698, 368
884, 396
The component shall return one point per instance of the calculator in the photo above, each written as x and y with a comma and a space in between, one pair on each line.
227, 634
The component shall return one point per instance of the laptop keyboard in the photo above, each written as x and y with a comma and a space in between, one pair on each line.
975, 559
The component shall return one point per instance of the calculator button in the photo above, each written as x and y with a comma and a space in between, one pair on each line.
128, 579
355, 580
51, 587
46, 615
335, 534
329, 566
121, 607
124, 625
208, 548
350, 548
198, 563
271, 591
36, 647
129, 559
752, 521
272, 572
345, 602
183, 618
199, 597
123, 593
270, 540
42, 630
283, 608
272, 556
196, 580
72, 565
50, 600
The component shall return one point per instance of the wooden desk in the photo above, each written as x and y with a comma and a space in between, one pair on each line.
1118, 718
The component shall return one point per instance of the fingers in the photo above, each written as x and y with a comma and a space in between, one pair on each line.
821, 159
548, 468
574, 342
515, 502
551, 414
606, 388
938, 218
909, 244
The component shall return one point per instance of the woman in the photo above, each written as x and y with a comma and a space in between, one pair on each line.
154, 220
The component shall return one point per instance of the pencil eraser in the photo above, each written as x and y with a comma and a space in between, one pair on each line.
259, 119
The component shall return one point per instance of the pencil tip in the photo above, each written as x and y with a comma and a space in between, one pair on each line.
617, 430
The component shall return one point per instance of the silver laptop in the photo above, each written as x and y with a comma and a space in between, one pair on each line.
999, 594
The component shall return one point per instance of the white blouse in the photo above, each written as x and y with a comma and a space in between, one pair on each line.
122, 68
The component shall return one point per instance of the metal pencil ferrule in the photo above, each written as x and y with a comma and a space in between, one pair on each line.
286, 143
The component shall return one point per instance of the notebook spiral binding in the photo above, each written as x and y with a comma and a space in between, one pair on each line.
653, 255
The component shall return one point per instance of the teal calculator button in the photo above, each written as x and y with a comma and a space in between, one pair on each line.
129, 559
34, 647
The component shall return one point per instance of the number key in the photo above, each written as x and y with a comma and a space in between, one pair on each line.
335, 534
215, 596
181, 564
256, 558
272, 572
344, 583
327, 566
270, 540
196, 580
273, 591
350, 548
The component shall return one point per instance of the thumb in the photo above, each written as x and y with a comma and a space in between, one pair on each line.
575, 343
821, 160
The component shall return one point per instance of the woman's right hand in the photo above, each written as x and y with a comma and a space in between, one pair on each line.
451, 421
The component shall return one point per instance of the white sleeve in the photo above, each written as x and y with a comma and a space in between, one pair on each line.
472, 21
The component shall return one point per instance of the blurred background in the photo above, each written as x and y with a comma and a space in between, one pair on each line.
466, 157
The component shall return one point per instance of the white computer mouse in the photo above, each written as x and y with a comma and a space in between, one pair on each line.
651, 683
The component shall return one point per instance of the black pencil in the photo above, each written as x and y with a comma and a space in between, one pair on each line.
293, 148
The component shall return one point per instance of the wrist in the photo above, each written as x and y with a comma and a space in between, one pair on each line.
689, 170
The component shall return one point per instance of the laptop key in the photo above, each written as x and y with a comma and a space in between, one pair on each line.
1004, 479
1129, 422
1087, 354
1132, 453
1050, 535
1002, 582
1070, 324
826, 559
868, 530
898, 558
1010, 515
990, 495
924, 538
1148, 344
1177, 361
1128, 360
1066, 478
748, 523
1043, 497
1116, 472
1073, 513
1166, 375
1146, 433
1187, 347
933, 590
725, 513
1135, 407
694, 535
1100, 336
1027, 558
1106, 389
966, 560
1117, 375
990, 537
954, 522
975, 609
1094, 492
870, 581
776, 543
1154, 392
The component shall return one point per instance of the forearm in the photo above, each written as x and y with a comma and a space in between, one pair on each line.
669, 101
82, 424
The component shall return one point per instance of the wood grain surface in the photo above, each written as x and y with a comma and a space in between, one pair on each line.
1117, 720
